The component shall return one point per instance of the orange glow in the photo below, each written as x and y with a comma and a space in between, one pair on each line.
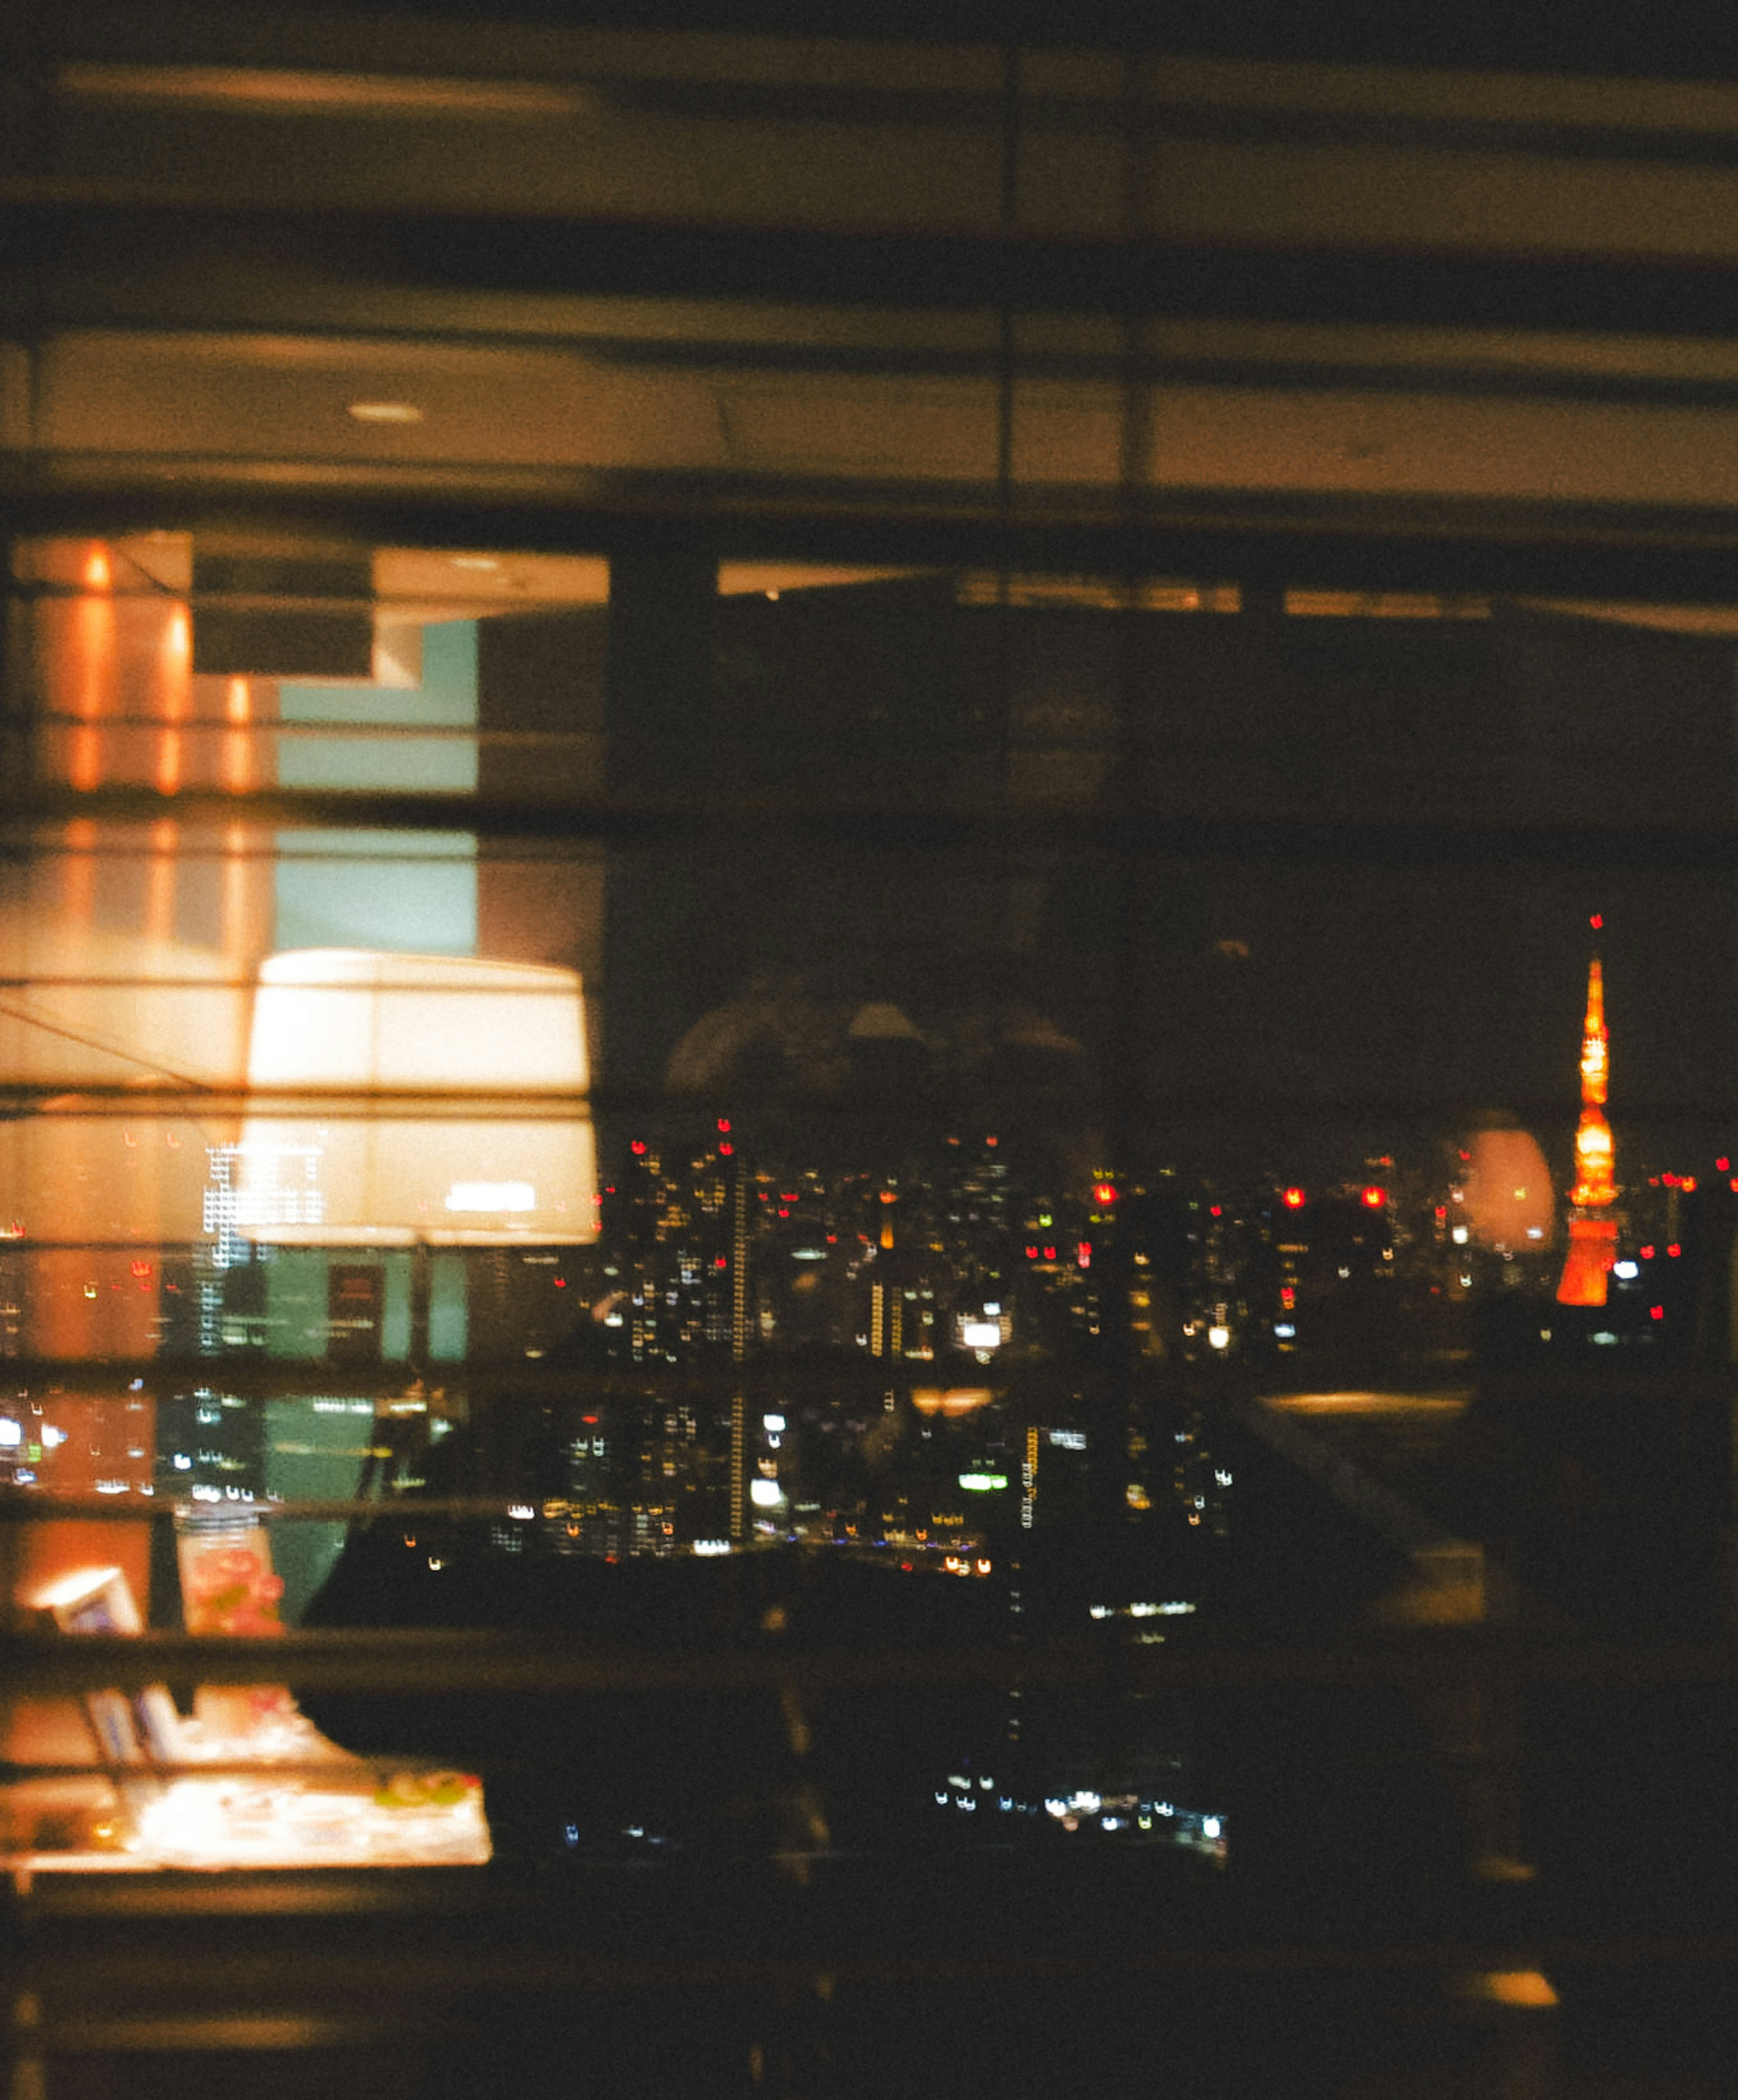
1593, 1045
1593, 1248
97, 573
160, 882
91, 669
1292, 1198
1510, 1987
79, 887
1593, 1236
1594, 1187
1104, 1191
1509, 1199
1374, 1198
954, 1402
175, 690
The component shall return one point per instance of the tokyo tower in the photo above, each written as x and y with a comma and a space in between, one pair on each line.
1593, 1229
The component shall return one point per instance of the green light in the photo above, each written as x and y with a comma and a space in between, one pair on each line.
981, 1484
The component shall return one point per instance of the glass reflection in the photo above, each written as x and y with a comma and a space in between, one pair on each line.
1022, 1070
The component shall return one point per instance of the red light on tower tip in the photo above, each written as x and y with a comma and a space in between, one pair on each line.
1597, 921
1292, 1198
637, 1147
1374, 1198
1103, 1192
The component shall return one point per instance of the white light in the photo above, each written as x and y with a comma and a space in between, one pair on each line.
10, 1431
184, 1464
1458, 1235
765, 1494
492, 1196
1218, 1338
1608, 1339
992, 1310
773, 1421
522, 1511
1068, 1440
1284, 1330
51, 1436
1627, 1271
1209, 1826
981, 1334
462, 1172
707, 1547
1084, 1798
1535, 1232
385, 412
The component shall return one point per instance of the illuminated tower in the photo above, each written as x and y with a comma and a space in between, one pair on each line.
1593, 1229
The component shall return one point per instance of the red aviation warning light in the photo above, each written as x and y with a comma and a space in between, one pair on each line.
1374, 1198
1104, 1191
1292, 1198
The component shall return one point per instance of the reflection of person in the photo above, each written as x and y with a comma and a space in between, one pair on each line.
1005, 1065
779, 1036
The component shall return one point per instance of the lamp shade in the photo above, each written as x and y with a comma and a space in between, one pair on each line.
399, 1099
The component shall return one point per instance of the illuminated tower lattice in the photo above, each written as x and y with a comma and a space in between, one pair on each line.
1593, 1229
